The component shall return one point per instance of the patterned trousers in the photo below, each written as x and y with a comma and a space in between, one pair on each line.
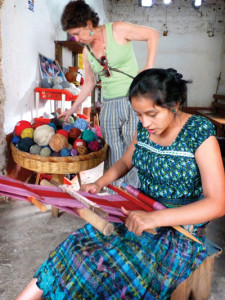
118, 123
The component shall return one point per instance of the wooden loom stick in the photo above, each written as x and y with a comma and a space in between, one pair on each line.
38, 204
89, 216
176, 227
88, 203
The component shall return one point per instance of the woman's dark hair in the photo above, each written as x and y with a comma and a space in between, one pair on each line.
76, 14
165, 87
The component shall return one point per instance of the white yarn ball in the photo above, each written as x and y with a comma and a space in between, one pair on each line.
43, 134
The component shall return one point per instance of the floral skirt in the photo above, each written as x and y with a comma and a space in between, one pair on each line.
89, 265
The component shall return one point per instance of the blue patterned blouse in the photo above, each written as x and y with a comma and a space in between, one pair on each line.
172, 171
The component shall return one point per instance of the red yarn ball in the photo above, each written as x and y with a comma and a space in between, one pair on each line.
63, 132
78, 142
74, 133
20, 126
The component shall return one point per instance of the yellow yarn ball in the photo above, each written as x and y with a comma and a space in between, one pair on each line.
27, 132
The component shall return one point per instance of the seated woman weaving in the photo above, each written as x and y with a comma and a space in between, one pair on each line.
179, 164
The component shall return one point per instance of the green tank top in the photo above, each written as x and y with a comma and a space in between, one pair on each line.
121, 57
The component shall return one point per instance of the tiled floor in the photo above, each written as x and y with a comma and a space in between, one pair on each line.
28, 235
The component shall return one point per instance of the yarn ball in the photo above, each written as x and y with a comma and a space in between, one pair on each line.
25, 144
65, 84
82, 150
70, 120
55, 154
78, 142
63, 132
57, 123
57, 87
35, 149
20, 126
27, 132
15, 139
46, 83
98, 131
70, 147
37, 124
73, 152
81, 124
53, 125
65, 152
58, 142
43, 134
88, 136
46, 151
57, 80
74, 133
94, 146
67, 127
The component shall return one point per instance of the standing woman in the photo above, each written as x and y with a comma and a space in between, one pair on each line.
109, 53
179, 164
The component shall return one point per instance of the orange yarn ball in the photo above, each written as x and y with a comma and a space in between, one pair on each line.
58, 142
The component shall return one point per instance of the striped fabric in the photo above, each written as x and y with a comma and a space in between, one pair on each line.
118, 123
89, 265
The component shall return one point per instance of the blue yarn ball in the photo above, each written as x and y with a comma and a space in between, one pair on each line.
81, 124
52, 125
25, 144
65, 152
67, 127
15, 139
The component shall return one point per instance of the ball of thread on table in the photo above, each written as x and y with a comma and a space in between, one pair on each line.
35, 149
15, 139
27, 132
46, 151
74, 152
81, 124
58, 142
65, 152
88, 136
20, 126
63, 132
78, 142
52, 125
74, 133
25, 144
43, 134
82, 150
94, 146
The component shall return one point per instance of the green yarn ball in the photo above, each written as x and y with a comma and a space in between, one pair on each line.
88, 136
35, 149
45, 151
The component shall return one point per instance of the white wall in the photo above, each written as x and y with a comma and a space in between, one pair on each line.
25, 34
187, 46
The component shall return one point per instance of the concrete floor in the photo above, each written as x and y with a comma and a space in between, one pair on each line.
27, 236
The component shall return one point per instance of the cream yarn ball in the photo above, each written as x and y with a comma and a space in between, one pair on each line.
43, 134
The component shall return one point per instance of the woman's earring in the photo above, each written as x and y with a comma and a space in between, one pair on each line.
91, 33
174, 110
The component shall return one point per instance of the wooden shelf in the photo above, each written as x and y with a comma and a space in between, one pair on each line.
71, 45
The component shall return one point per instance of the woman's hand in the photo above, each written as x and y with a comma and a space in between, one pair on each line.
66, 114
139, 221
92, 188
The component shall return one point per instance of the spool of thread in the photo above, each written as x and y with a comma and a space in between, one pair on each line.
43, 134
88, 136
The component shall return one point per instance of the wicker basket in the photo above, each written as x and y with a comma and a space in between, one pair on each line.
58, 165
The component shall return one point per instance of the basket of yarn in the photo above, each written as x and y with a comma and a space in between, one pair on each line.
54, 150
